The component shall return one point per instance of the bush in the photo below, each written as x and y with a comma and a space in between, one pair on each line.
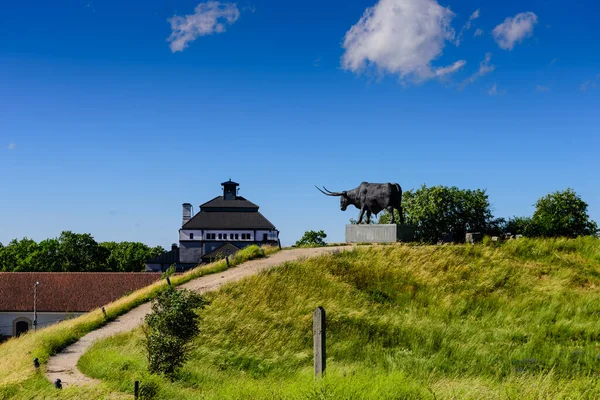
169, 329
312, 239
562, 214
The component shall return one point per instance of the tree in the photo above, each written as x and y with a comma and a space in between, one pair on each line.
312, 239
80, 252
169, 329
520, 226
437, 210
562, 214
129, 256
16, 256
47, 257
75, 252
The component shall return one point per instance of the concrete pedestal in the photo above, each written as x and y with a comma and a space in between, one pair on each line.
379, 233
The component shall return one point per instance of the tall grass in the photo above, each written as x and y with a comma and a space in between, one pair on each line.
16, 354
520, 320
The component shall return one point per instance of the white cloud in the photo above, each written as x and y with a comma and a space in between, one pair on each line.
485, 67
495, 92
400, 37
473, 17
514, 30
12, 145
467, 26
584, 86
450, 69
590, 83
542, 89
478, 32
208, 18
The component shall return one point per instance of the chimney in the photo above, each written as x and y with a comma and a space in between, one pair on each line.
174, 246
187, 213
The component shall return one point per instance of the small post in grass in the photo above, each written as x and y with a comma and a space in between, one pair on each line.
227, 260
136, 389
319, 341
104, 312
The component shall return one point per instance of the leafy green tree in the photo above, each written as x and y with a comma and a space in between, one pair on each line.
170, 328
47, 257
73, 252
312, 239
437, 210
520, 226
80, 252
562, 213
16, 256
129, 256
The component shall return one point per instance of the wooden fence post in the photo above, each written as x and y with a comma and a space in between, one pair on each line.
136, 389
227, 260
319, 341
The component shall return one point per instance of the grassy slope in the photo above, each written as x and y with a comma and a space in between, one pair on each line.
519, 320
17, 375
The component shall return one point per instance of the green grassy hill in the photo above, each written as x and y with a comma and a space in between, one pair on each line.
518, 320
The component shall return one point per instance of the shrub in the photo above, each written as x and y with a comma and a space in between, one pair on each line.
169, 329
312, 239
562, 214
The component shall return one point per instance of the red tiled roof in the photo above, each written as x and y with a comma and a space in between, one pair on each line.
68, 291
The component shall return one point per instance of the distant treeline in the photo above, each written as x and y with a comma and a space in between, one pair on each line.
74, 252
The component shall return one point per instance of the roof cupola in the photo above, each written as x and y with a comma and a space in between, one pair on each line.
229, 190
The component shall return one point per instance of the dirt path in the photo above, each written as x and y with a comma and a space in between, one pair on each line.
64, 364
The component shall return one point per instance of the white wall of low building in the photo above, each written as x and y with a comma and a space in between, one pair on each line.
271, 235
9, 318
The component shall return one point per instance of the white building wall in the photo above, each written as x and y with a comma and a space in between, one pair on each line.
44, 319
271, 235
184, 234
200, 235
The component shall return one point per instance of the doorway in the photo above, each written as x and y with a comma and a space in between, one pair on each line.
21, 327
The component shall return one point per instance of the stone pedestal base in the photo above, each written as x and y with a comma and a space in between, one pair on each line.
379, 233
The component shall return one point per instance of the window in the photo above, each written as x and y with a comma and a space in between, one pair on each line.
191, 235
231, 236
237, 236
220, 236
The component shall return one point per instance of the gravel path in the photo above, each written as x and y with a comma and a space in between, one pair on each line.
63, 365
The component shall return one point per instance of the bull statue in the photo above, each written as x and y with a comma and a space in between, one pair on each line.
371, 198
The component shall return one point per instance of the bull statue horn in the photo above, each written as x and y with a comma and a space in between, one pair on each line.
328, 192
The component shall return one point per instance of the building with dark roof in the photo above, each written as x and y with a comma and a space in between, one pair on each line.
221, 227
60, 295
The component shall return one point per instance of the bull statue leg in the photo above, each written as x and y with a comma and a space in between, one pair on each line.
362, 213
368, 217
390, 209
401, 215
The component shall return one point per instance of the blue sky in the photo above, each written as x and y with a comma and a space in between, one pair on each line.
114, 114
